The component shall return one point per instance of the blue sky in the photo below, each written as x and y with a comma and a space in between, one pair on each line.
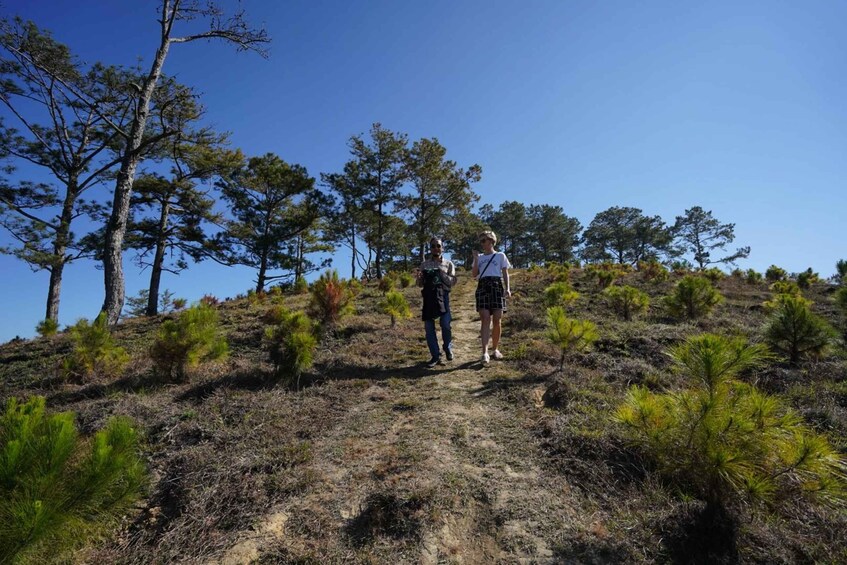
735, 107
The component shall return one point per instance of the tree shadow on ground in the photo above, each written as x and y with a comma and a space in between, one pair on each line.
701, 534
341, 372
133, 383
495, 385
253, 379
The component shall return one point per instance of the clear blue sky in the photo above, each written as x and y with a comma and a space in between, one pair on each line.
737, 107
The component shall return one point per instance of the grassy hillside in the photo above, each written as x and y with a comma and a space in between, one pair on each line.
376, 459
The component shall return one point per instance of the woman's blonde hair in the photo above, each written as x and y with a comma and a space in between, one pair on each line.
488, 235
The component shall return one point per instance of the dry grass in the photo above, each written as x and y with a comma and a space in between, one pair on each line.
375, 459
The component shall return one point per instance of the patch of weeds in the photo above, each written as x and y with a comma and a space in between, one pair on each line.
406, 404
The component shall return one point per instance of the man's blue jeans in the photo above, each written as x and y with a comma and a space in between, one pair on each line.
446, 333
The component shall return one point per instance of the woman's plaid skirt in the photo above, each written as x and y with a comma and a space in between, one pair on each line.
490, 295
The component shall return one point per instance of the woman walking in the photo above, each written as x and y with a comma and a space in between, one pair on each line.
492, 269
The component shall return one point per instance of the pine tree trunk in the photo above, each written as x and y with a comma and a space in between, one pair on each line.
158, 261
263, 270
116, 227
353, 257
60, 247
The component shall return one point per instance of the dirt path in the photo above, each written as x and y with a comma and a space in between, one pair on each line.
435, 469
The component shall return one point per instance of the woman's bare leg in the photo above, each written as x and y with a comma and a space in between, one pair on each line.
495, 332
485, 317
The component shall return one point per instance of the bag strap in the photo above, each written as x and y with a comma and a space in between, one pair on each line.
487, 265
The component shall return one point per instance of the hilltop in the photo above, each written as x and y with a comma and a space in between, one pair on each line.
376, 459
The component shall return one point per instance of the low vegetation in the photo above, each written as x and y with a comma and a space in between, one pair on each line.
693, 297
190, 340
57, 488
94, 352
596, 439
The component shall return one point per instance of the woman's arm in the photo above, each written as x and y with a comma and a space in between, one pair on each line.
475, 268
505, 272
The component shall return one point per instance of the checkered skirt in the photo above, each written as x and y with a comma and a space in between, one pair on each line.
490, 294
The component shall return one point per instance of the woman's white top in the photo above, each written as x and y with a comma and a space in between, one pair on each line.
498, 263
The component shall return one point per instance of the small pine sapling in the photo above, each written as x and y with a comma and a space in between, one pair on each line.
753, 276
388, 282
95, 352
291, 345
355, 286
795, 331
57, 490
693, 297
332, 299
723, 440
406, 279
775, 273
190, 340
560, 272
568, 334
807, 278
714, 275
653, 271
47, 327
841, 270
396, 306
301, 286
627, 301
209, 300
559, 294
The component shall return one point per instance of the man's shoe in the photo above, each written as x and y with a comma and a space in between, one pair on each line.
433, 362
485, 359
449, 353
497, 354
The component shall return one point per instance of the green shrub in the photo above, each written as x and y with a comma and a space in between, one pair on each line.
841, 269
274, 315
653, 271
355, 286
785, 287
191, 339
209, 300
775, 273
387, 283
56, 489
841, 299
714, 275
723, 440
94, 353
179, 304
627, 301
406, 279
753, 276
779, 289
559, 294
255, 298
607, 273
332, 298
395, 306
682, 267
47, 327
300, 286
291, 344
568, 334
693, 297
795, 331
560, 272
807, 278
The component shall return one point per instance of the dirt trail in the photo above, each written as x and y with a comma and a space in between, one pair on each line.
443, 438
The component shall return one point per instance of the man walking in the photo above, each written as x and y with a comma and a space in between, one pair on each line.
437, 276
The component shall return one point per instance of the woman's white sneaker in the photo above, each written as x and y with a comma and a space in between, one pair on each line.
485, 358
497, 354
